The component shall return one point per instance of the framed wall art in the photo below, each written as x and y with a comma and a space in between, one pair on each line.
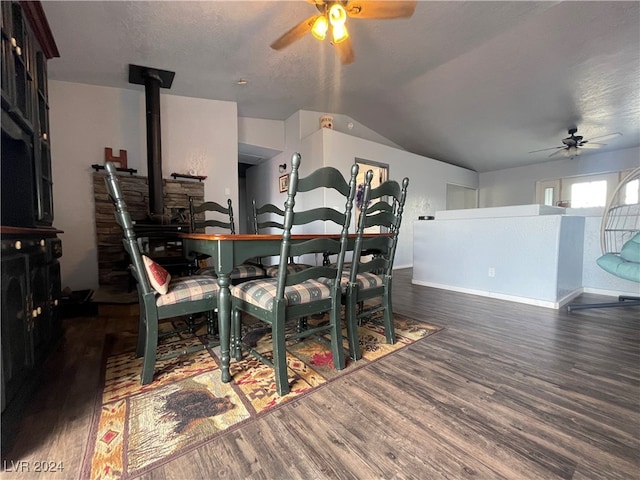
283, 181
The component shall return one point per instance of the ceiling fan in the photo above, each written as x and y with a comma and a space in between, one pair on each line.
332, 19
574, 143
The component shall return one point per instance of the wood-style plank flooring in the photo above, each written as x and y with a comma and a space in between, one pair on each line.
506, 391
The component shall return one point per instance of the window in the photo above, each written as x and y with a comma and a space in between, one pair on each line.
631, 192
582, 191
589, 194
548, 196
548, 192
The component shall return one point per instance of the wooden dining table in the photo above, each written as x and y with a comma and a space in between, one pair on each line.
229, 250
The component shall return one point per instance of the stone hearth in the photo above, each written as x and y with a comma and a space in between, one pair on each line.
112, 258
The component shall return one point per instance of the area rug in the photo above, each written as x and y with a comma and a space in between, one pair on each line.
138, 428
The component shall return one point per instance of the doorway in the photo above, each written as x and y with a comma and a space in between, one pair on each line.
380, 175
461, 197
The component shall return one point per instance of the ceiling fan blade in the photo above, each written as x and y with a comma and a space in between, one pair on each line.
545, 149
345, 51
606, 137
560, 150
296, 33
592, 145
380, 9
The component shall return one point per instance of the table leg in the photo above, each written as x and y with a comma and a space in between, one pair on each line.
224, 321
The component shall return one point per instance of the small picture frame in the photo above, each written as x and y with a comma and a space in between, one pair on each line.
283, 181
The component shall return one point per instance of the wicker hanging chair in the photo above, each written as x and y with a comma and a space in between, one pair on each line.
620, 243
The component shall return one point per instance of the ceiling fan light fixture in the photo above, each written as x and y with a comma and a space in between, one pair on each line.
320, 27
571, 151
340, 33
332, 14
337, 15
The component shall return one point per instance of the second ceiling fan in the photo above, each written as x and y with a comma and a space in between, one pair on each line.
573, 143
332, 20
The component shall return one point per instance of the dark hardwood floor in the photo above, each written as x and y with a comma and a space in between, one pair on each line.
507, 390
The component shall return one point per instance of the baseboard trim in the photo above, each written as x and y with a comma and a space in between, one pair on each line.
609, 293
501, 296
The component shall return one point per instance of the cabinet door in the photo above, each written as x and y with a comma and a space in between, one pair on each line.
18, 192
21, 59
44, 185
17, 357
55, 300
7, 57
40, 308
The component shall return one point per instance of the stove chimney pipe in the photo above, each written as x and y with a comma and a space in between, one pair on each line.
153, 79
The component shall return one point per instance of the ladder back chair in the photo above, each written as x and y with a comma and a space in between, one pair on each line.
298, 295
199, 222
160, 297
269, 216
382, 207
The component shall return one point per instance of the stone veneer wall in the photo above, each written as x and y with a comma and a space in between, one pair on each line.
112, 257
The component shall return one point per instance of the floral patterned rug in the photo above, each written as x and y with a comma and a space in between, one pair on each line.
137, 428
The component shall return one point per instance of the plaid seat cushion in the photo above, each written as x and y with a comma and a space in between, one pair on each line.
273, 270
186, 289
262, 292
241, 271
364, 280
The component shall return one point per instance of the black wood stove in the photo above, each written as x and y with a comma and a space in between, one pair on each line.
159, 234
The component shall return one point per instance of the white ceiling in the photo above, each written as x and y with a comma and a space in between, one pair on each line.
475, 84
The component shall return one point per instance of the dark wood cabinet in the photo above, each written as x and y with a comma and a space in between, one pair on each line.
30, 288
31, 314
27, 44
30, 275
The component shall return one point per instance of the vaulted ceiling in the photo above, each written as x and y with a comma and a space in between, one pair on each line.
476, 84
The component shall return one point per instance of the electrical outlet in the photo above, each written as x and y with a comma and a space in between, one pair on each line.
492, 272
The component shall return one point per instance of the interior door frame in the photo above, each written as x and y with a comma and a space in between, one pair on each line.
383, 169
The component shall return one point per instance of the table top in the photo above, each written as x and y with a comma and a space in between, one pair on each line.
269, 236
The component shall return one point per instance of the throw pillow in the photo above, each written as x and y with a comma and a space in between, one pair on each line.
631, 250
159, 278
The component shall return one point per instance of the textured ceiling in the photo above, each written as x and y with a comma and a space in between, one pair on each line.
475, 84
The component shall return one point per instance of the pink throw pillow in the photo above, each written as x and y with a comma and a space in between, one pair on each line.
158, 276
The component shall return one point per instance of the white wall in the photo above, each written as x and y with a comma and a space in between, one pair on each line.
196, 133
261, 134
517, 186
428, 178
309, 122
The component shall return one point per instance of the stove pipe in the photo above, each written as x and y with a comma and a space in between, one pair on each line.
153, 79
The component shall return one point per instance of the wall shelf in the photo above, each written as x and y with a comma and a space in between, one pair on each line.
184, 175
131, 171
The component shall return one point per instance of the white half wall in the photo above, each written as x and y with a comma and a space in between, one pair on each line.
534, 259
196, 134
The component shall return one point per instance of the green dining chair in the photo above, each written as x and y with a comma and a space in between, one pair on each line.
266, 218
161, 297
294, 295
367, 284
199, 221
